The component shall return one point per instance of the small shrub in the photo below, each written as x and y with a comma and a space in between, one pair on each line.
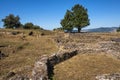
118, 30
31, 33
2, 55
22, 46
42, 34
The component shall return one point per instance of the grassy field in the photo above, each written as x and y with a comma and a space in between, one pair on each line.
86, 67
23, 51
89, 62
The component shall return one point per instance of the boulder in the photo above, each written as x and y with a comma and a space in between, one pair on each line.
116, 39
15, 33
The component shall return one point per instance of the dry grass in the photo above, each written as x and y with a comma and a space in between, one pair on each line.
23, 53
23, 50
88, 64
86, 67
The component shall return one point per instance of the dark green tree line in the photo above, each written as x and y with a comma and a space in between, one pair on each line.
30, 25
13, 22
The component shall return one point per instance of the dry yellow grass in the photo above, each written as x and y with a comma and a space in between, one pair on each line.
86, 67
23, 53
88, 64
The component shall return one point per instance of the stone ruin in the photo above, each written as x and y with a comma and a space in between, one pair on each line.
43, 69
40, 71
44, 66
115, 76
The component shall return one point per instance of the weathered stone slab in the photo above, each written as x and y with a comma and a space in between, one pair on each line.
115, 76
116, 40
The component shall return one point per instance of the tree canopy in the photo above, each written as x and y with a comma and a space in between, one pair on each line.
11, 21
77, 17
67, 23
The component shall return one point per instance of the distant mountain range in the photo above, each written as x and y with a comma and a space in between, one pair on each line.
101, 29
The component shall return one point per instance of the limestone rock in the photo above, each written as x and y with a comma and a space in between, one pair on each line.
19, 77
115, 76
40, 71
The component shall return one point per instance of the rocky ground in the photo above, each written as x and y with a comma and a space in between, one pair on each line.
97, 45
19, 49
97, 57
91, 42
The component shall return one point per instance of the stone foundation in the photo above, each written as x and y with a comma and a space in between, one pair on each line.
43, 68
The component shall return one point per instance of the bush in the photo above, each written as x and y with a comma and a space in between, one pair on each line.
118, 30
58, 29
42, 34
28, 26
31, 33
31, 26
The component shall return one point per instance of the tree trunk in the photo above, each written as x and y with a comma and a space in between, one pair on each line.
79, 29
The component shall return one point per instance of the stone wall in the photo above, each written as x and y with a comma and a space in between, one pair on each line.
61, 56
43, 68
40, 71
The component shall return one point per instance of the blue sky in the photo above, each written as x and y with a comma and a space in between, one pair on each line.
48, 13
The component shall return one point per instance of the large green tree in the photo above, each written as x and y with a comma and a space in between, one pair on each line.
67, 23
80, 17
77, 17
11, 21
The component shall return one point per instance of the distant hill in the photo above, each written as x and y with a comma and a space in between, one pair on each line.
101, 29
